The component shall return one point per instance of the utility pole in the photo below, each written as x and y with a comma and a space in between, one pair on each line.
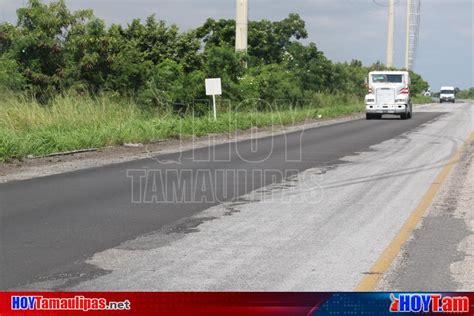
408, 36
391, 25
242, 21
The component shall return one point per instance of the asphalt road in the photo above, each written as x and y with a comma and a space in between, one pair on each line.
439, 254
108, 228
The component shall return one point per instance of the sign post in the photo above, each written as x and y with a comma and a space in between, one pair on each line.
214, 87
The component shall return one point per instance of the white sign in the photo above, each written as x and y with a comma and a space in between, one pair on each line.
213, 86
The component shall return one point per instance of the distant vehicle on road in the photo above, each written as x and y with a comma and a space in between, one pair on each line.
447, 94
389, 93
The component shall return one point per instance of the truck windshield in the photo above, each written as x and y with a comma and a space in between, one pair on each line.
447, 92
387, 78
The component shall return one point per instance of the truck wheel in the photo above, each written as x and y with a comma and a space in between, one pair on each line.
404, 116
368, 116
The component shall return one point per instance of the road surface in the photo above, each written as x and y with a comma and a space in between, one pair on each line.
231, 223
440, 252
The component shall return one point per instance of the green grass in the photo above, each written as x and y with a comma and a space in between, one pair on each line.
421, 99
71, 122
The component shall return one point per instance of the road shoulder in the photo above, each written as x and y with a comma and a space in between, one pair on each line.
440, 254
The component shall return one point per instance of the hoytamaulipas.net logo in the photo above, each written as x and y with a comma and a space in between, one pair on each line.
76, 303
426, 303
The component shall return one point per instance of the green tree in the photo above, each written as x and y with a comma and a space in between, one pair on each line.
165, 85
223, 62
38, 45
275, 82
52, 49
418, 84
10, 76
8, 33
466, 94
159, 42
217, 32
90, 59
129, 70
268, 41
309, 65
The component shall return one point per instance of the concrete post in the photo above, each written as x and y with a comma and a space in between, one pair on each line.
391, 25
407, 47
241, 35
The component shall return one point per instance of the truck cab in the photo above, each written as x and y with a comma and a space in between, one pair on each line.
389, 93
447, 94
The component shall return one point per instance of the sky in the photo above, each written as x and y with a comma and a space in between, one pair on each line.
342, 29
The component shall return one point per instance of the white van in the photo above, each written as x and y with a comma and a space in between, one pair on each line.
389, 93
447, 94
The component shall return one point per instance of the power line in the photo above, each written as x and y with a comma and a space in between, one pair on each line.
384, 5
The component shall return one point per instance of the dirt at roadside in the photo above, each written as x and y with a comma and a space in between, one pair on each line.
463, 270
45, 166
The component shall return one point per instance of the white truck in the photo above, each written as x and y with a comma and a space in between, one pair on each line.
447, 94
389, 93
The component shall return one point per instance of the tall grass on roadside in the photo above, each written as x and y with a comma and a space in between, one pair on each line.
421, 99
73, 122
